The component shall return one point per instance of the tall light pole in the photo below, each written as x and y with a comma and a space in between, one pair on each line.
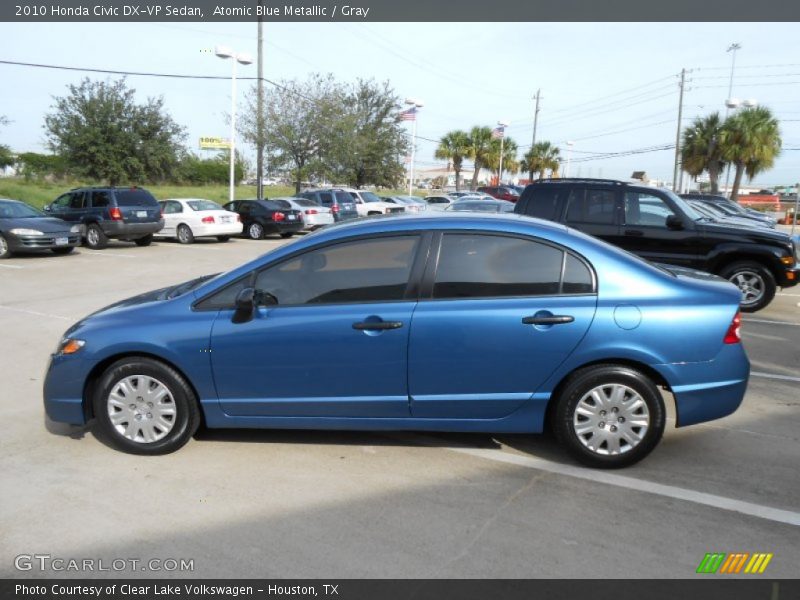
415, 106
731, 102
501, 125
569, 151
537, 97
225, 53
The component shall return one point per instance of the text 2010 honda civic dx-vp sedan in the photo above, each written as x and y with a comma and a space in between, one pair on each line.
488, 323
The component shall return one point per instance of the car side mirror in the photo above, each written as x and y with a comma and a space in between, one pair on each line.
674, 222
46, 208
245, 304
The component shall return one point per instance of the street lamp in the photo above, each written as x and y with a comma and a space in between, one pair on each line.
415, 104
502, 126
731, 103
569, 150
225, 53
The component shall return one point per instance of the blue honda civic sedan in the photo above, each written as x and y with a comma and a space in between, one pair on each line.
467, 322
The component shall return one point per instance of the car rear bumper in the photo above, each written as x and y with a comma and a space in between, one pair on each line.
122, 230
705, 391
318, 220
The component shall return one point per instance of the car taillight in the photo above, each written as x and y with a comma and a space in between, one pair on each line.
335, 208
278, 216
734, 334
115, 213
207, 220
311, 211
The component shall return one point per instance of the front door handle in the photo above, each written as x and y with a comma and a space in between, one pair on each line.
634, 232
377, 325
547, 320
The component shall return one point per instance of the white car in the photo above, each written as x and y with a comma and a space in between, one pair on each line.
189, 218
314, 215
368, 203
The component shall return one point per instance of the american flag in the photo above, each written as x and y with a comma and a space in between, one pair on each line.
498, 133
409, 115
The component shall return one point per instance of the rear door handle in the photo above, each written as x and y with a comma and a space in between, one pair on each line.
377, 325
548, 320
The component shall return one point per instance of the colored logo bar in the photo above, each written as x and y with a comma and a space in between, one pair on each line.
734, 563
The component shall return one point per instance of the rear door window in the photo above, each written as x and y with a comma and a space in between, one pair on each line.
591, 206
101, 199
544, 203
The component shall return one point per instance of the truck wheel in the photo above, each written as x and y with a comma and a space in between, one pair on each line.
95, 238
754, 280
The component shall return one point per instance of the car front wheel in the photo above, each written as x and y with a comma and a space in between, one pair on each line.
143, 406
609, 416
755, 281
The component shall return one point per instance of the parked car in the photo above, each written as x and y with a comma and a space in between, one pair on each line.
732, 208
411, 204
501, 192
260, 217
104, 213
391, 316
459, 194
25, 229
369, 204
341, 203
490, 206
661, 227
713, 213
439, 202
314, 215
188, 218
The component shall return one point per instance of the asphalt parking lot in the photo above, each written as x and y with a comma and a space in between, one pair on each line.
337, 504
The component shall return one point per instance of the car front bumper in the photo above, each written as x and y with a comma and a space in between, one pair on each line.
21, 243
64, 386
789, 277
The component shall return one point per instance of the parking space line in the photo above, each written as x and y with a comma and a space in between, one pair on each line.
785, 294
761, 336
36, 313
103, 254
774, 376
771, 322
649, 487
12, 266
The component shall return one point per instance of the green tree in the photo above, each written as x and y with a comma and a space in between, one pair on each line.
103, 134
6, 156
455, 147
701, 150
35, 165
541, 157
751, 141
509, 150
480, 149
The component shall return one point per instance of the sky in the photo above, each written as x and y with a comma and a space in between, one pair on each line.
607, 87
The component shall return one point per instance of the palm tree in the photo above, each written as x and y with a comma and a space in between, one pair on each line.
750, 140
510, 162
480, 142
454, 146
541, 157
701, 150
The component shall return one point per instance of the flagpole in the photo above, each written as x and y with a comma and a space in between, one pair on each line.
501, 129
413, 151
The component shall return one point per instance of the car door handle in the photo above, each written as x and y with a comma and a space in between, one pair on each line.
377, 325
634, 232
548, 320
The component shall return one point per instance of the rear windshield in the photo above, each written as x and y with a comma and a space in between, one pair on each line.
135, 198
203, 205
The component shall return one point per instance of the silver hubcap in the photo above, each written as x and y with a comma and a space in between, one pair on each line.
611, 419
141, 409
751, 285
256, 231
92, 237
3, 245
183, 233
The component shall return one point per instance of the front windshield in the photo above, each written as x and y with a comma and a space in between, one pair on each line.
370, 197
688, 210
13, 209
203, 205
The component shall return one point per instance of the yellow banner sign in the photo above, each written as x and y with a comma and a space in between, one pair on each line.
214, 143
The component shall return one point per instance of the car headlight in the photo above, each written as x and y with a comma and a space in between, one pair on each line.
75, 229
69, 346
26, 232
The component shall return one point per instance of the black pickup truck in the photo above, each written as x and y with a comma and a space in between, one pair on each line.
661, 227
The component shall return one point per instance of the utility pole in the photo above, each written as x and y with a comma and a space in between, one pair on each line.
260, 110
535, 117
678, 135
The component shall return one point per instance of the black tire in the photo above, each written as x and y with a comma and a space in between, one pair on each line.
4, 251
62, 251
287, 235
223, 238
184, 234
754, 280
180, 396
607, 378
95, 238
144, 241
255, 231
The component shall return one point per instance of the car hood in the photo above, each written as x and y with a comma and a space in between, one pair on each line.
757, 234
43, 224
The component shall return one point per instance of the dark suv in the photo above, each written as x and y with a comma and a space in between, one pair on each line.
501, 192
659, 226
341, 203
103, 213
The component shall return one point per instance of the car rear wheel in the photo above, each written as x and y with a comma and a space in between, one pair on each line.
184, 234
144, 241
255, 231
609, 416
223, 238
287, 235
143, 406
755, 281
4, 251
95, 238
62, 250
